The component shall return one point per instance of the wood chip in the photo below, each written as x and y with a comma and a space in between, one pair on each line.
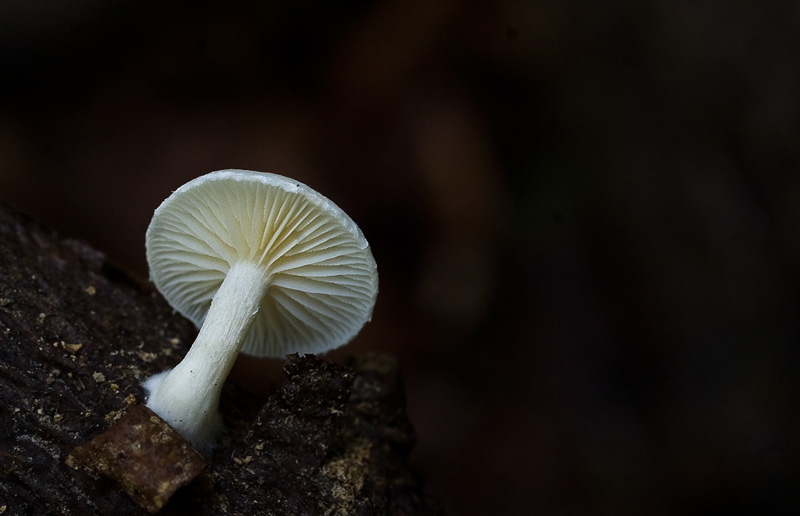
71, 348
148, 458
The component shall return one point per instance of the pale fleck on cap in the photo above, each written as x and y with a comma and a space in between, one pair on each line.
323, 280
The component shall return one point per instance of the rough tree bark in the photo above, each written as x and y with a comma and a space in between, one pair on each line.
77, 337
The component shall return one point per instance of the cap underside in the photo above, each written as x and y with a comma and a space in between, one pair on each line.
322, 276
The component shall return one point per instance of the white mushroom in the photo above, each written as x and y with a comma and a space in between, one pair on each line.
262, 264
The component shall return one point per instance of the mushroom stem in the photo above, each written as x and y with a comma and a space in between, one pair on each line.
187, 396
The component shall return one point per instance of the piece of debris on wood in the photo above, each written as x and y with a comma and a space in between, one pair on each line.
147, 457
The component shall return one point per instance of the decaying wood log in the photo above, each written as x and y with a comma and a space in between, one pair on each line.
77, 337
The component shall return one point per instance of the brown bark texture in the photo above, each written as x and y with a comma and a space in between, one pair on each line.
77, 337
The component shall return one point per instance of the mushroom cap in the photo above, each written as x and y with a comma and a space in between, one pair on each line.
322, 281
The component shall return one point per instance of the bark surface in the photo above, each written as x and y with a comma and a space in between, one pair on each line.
77, 337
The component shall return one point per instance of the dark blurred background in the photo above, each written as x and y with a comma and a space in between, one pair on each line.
585, 214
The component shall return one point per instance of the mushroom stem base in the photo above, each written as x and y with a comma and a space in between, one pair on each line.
187, 397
